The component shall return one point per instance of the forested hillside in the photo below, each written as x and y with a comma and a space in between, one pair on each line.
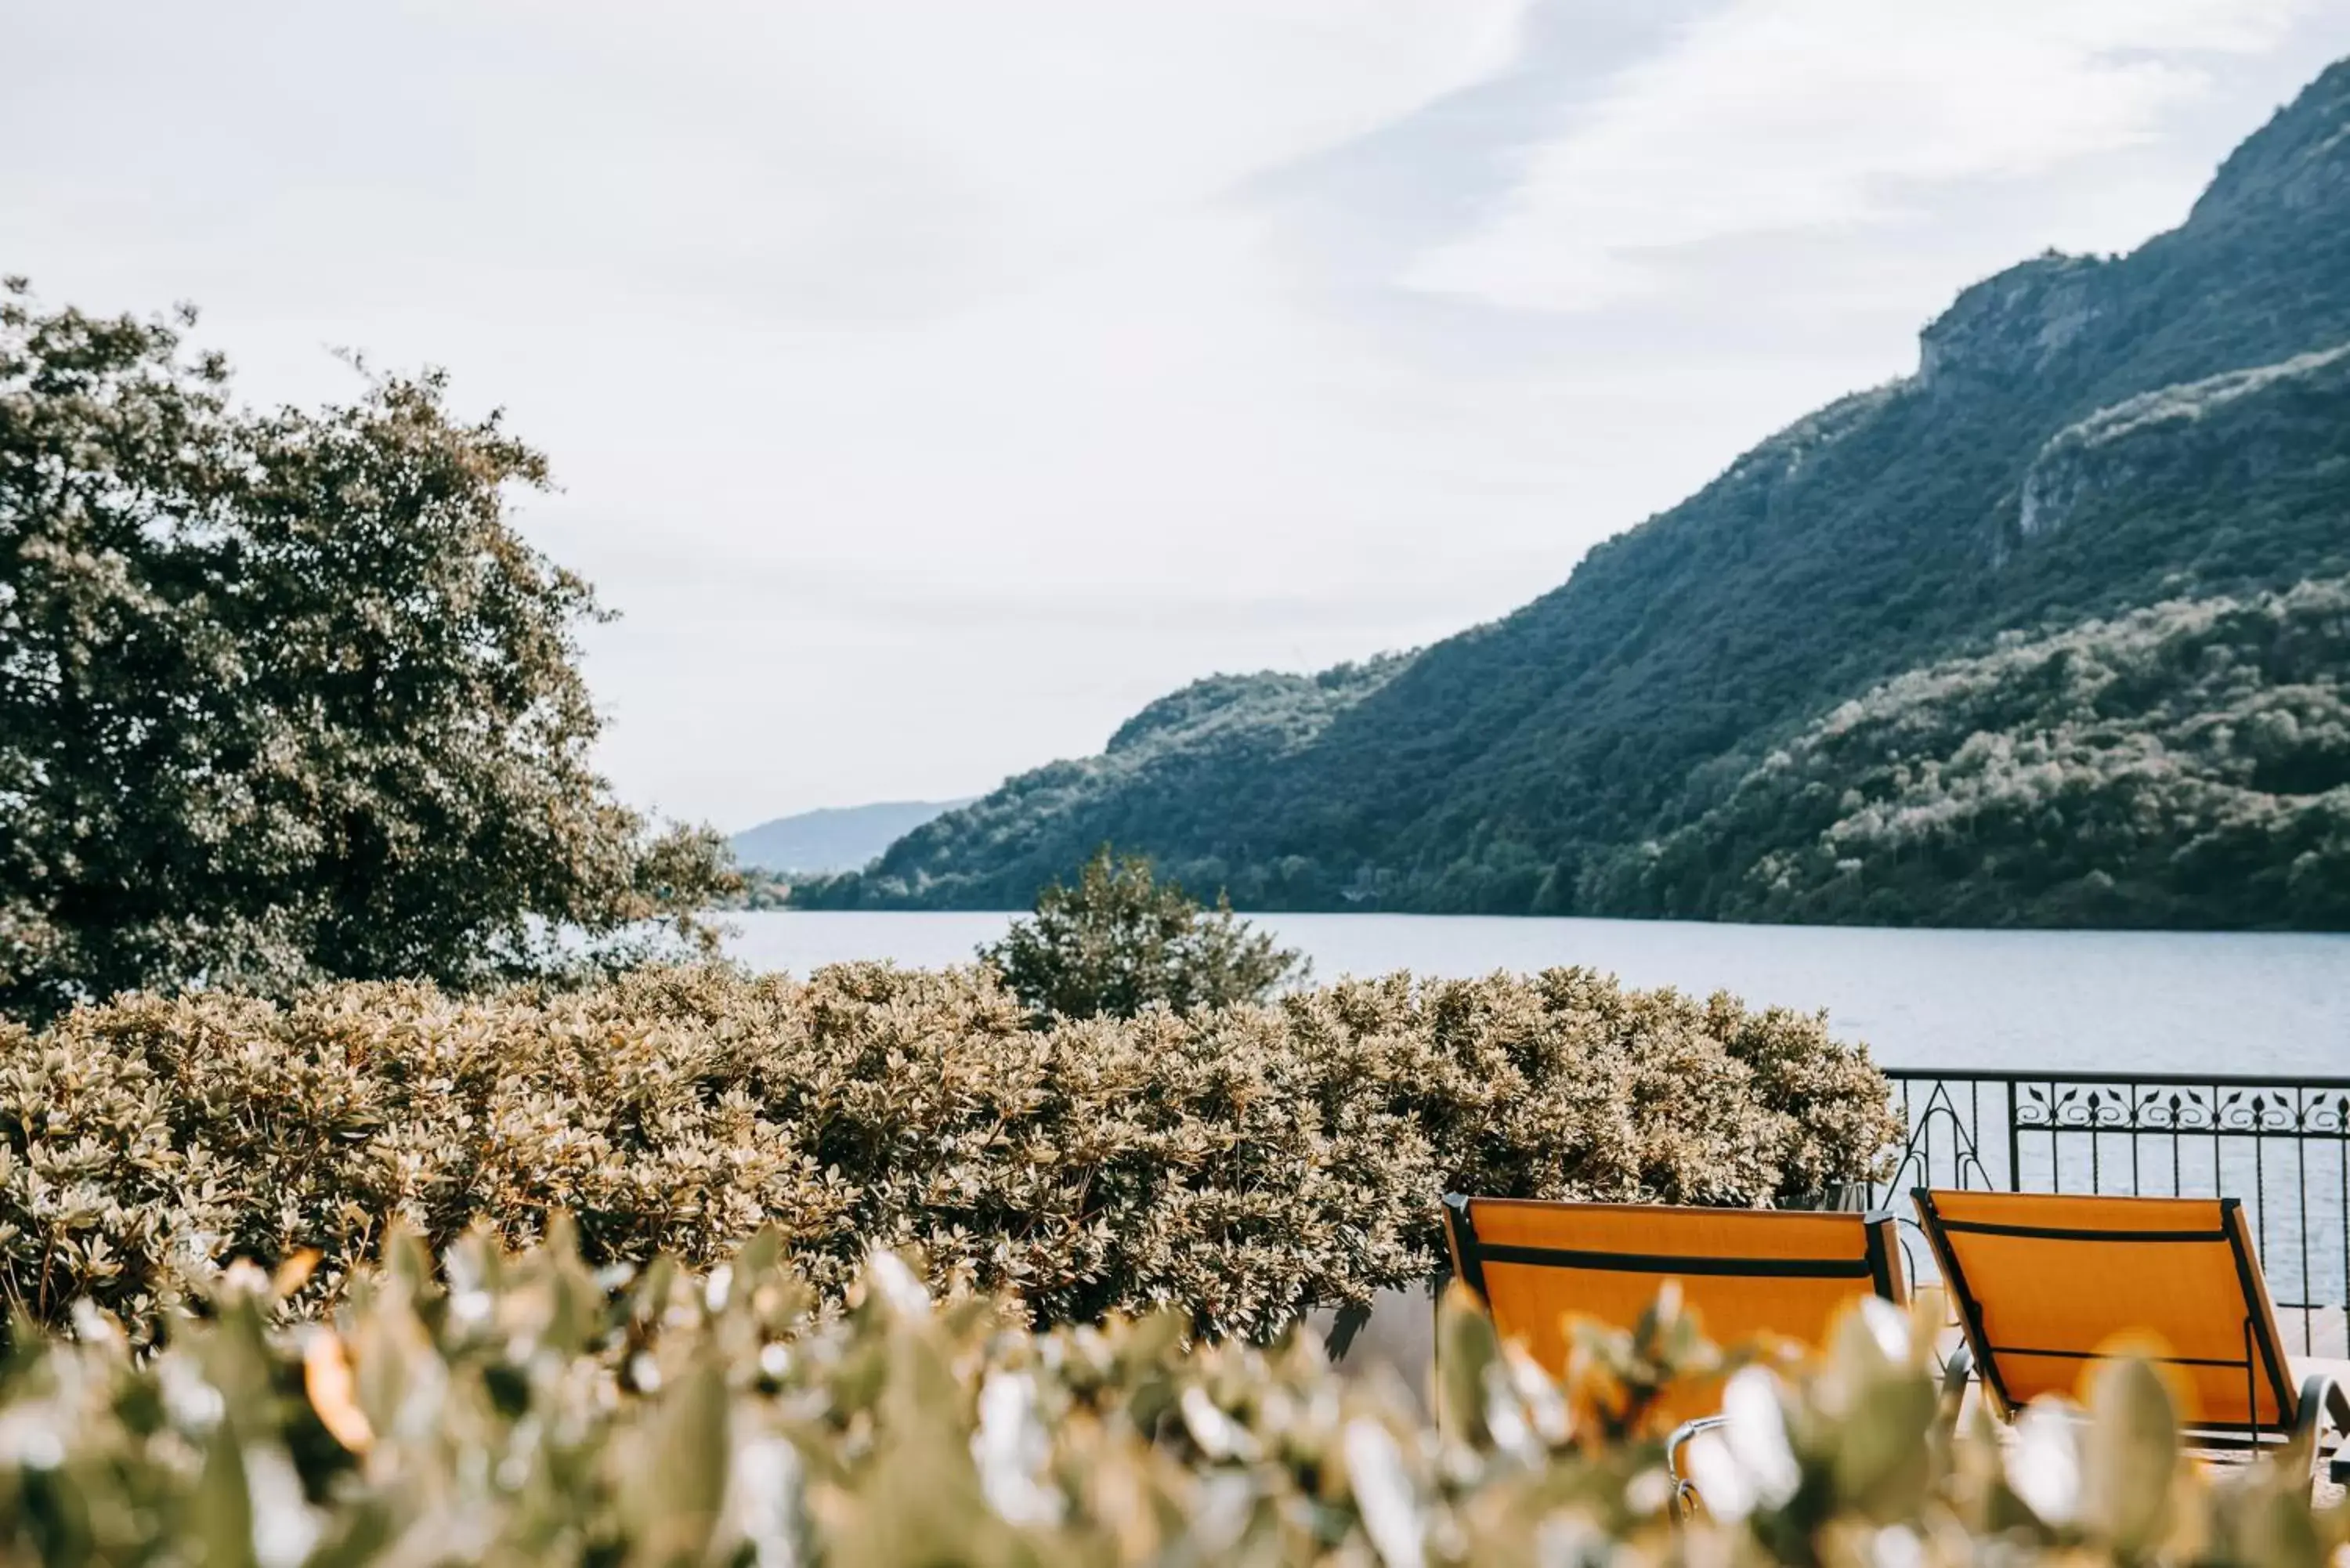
2084, 437
2187, 764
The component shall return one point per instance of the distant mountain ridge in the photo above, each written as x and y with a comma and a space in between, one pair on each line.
2084, 438
834, 838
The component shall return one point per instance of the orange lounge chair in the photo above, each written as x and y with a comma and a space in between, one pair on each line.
2047, 1284
1746, 1271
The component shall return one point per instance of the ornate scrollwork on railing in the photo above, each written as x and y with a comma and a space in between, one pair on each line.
2175, 1110
2054, 1106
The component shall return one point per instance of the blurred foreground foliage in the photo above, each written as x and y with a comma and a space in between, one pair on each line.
524, 1409
1242, 1164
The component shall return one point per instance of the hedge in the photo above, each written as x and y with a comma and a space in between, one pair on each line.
535, 1413
1242, 1164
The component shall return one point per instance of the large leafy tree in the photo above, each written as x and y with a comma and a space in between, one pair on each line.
283, 695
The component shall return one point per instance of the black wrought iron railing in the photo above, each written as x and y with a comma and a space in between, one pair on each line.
2281, 1146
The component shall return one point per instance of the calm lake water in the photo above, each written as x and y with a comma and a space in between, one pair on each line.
2080, 1000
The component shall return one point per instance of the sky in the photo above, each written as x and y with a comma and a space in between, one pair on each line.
932, 383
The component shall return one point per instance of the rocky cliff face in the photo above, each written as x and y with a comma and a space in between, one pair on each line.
2240, 431
2296, 165
2013, 325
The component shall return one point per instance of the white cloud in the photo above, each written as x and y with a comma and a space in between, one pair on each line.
895, 150
1777, 115
807, 156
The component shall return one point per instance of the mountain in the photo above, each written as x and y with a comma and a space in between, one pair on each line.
836, 838
2084, 438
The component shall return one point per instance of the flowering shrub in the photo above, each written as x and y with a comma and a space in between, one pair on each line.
531, 1411
1242, 1164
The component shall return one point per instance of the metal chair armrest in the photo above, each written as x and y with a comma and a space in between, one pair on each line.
2309, 1410
1955, 1374
2323, 1398
1673, 1447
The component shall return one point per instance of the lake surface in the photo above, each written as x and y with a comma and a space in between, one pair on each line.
2078, 1000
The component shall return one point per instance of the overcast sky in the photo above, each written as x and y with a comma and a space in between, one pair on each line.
933, 383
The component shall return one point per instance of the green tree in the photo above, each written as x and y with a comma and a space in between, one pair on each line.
1120, 941
284, 696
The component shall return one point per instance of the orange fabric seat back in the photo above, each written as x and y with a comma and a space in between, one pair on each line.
1746, 1273
2048, 1284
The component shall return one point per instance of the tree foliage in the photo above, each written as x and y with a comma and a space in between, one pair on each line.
1120, 941
2185, 766
2085, 436
284, 696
